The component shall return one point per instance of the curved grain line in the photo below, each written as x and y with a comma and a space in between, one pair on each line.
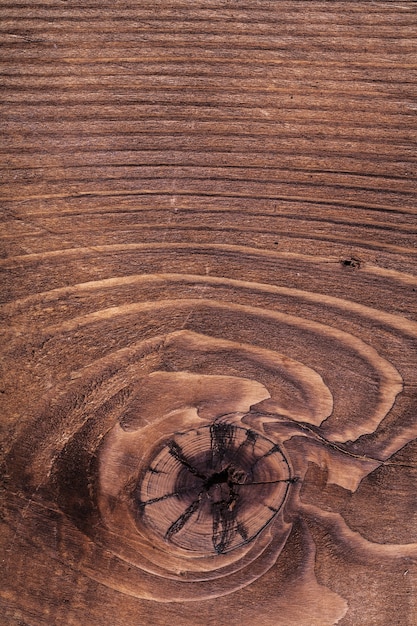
403, 325
391, 382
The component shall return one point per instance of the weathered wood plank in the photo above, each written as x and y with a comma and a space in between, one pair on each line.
209, 336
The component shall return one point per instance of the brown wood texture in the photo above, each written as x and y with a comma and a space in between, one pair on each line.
209, 335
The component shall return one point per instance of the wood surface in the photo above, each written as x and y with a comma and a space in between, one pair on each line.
209, 335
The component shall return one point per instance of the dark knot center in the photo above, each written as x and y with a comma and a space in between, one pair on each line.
218, 478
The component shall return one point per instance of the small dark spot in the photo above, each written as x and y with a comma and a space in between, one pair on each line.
352, 263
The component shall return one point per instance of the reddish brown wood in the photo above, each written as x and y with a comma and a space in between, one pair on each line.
209, 337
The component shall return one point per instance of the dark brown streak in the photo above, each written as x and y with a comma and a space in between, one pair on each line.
180, 492
275, 448
241, 529
183, 519
251, 437
222, 435
291, 481
153, 470
176, 451
223, 517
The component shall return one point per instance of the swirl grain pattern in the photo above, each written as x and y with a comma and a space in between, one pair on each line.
208, 309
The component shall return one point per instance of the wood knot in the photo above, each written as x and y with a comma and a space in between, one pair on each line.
212, 489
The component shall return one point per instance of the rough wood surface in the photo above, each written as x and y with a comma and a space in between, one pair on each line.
209, 336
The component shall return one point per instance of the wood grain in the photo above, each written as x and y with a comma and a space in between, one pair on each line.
209, 313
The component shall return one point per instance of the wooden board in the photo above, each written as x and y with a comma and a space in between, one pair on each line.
209, 336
